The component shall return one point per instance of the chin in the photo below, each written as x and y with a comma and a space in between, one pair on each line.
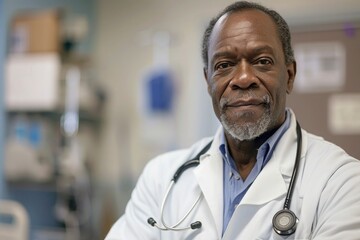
246, 130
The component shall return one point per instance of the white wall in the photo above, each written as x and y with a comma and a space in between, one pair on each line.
122, 57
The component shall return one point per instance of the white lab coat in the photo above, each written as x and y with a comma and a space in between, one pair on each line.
326, 197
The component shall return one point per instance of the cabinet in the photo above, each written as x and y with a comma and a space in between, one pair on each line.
53, 119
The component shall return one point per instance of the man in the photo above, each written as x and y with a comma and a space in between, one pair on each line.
245, 170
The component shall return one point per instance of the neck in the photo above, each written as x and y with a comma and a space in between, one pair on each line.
245, 152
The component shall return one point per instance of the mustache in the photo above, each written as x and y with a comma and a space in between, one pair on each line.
265, 99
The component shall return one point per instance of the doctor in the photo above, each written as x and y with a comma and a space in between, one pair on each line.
244, 171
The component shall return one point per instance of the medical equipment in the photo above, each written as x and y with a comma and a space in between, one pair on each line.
188, 164
284, 221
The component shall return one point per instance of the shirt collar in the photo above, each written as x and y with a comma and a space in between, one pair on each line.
274, 139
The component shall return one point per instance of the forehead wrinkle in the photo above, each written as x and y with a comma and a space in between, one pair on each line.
225, 31
231, 30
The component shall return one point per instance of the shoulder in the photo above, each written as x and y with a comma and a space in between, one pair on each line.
327, 164
326, 151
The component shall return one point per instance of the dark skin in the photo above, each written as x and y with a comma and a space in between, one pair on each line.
246, 55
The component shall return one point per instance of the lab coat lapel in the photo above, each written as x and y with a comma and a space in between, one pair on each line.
267, 186
209, 175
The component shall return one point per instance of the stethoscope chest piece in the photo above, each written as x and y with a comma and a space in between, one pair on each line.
284, 222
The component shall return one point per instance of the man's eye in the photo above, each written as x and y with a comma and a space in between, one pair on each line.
264, 61
223, 65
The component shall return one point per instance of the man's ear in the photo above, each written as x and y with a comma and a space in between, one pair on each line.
206, 79
291, 71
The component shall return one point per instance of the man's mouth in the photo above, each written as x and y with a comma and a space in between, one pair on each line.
245, 103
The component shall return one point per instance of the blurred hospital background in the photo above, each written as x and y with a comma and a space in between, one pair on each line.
91, 90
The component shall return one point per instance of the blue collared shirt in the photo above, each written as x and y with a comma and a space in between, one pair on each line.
234, 186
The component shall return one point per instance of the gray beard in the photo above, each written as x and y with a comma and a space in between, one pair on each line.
249, 130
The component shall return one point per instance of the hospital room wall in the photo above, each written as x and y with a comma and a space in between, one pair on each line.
124, 54
326, 97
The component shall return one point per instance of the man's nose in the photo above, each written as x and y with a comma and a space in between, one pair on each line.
244, 76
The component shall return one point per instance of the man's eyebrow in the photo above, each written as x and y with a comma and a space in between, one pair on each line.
223, 53
254, 50
262, 49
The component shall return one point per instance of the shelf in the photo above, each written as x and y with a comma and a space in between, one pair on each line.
84, 116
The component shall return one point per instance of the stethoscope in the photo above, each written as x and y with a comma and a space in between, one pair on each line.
284, 221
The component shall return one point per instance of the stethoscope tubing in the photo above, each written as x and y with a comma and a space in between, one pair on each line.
290, 191
173, 227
